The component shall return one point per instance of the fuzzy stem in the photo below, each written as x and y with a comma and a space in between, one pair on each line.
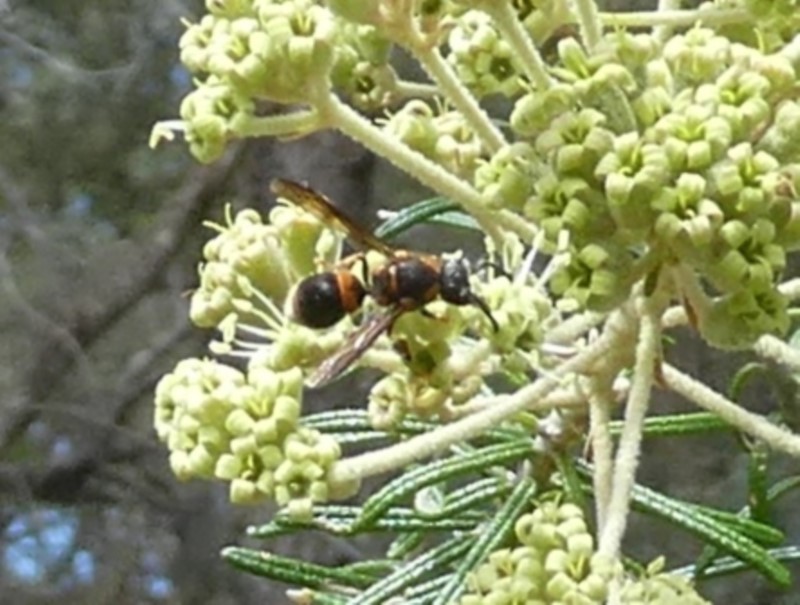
510, 26
757, 426
601, 403
791, 289
589, 21
777, 350
295, 123
662, 32
561, 398
689, 286
407, 89
440, 72
399, 24
574, 327
676, 18
627, 459
420, 168
428, 444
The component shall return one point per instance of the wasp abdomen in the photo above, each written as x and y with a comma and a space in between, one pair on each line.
323, 299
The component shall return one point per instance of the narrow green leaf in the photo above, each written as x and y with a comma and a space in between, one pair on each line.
402, 546
495, 532
758, 482
572, 481
425, 592
441, 470
413, 572
292, 571
474, 494
334, 421
351, 438
349, 420
695, 520
341, 521
457, 219
711, 531
677, 424
746, 373
437, 209
760, 532
377, 568
783, 487
729, 565
315, 597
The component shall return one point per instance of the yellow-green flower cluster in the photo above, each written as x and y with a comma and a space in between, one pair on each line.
287, 52
245, 256
444, 136
677, 152
425, 383
776, 21
658, 588
250, 266
507, 178
555, 563
482, 59
243, 429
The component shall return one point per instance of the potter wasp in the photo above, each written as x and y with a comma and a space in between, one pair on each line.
406, 281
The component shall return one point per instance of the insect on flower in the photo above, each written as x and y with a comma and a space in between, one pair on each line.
407, 281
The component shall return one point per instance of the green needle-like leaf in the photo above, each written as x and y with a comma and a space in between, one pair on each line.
729, 565
292, 571
474, 494
677, 424
783, 487
405, 544
760, 532
758, 482
341, 521
435, 209
695, 519
441, 470
433, 560
493, 534
728, 539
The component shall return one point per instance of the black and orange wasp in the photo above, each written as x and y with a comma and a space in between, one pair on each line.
406, 281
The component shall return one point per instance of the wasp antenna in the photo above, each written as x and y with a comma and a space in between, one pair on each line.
481, 304
485, 263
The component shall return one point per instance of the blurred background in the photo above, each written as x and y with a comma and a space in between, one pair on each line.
100, 237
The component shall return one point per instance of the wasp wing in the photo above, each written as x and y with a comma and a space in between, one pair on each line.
324, 209
355, 346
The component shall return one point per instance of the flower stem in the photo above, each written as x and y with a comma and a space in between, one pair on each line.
437, 68
676, 18
589, 21
600, 405
627, 458
662, 32
773, 348
506, 20
757, 426
295, 123
407, 89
